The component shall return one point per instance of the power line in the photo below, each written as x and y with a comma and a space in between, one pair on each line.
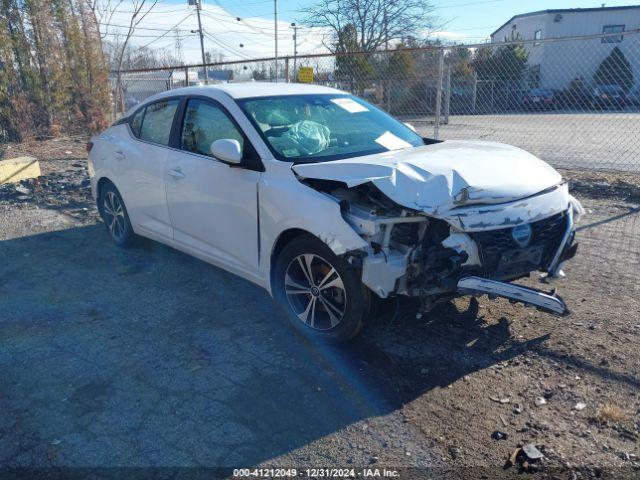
258, 32
228, 48
266, 31
157, 37
135, 35
168, 31
139, 28
152, 12
238, 19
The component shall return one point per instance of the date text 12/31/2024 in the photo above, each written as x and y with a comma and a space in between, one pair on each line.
315, 473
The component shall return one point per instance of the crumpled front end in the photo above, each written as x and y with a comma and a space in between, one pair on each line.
415, 254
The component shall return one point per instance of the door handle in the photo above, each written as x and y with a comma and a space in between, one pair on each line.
176, 173
119, 155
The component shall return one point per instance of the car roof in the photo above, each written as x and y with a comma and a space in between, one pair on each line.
255, 89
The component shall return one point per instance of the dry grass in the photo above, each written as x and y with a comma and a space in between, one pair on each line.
612, 413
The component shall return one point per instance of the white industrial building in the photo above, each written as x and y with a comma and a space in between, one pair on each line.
556, 64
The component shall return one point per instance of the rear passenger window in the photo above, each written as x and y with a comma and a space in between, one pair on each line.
157, 121
136, 122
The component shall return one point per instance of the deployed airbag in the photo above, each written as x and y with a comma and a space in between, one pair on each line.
308, 137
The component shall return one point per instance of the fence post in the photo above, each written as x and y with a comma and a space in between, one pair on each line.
286, 69
436, 125
447, 98
475, 92
186, 76
492, 98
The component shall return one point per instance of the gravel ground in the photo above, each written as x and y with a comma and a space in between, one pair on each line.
148, 357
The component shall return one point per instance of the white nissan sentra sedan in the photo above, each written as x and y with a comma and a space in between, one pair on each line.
328, 202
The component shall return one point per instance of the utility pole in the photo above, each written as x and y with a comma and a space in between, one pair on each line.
275, 19
295, 52
436, 123
198, 4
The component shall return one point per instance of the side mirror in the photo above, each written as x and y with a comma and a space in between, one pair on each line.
408, 125
227, 150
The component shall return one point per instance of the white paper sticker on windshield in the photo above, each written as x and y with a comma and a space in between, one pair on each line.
349, 105
389, 141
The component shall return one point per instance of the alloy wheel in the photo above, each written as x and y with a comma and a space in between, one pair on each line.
114, 215
315, 291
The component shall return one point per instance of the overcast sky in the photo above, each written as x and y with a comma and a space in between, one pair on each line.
253, 36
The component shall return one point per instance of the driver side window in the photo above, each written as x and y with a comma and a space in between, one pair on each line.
204, 123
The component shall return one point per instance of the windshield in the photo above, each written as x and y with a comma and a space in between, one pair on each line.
319, 128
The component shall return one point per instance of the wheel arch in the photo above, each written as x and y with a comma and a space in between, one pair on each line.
285, 237
355, 309
100, 184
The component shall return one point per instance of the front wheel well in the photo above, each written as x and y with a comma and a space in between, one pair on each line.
284, 238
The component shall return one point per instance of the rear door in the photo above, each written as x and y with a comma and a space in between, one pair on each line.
143, 159
213, 206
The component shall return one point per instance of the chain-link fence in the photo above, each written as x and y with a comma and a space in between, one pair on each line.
575, 102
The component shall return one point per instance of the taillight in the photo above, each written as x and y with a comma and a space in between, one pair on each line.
89, 147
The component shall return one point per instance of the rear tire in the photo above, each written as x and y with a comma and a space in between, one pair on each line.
320, 293
114, 214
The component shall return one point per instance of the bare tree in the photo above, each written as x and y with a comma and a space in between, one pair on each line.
103, 12
140, 10
376, 22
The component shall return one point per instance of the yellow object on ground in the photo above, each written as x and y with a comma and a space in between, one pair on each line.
19, 168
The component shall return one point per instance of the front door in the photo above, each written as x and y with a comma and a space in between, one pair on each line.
212, 206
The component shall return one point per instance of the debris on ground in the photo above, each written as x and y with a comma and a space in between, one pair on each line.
539, 401
526, 457
64, 187
502, 400
498, 435
580, 406
22, 190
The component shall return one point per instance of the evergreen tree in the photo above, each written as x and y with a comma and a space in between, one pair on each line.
615, 70
351, 67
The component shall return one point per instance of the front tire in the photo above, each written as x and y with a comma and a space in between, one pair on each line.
115, 216
320, 293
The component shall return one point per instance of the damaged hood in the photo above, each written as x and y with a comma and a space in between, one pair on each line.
439, 177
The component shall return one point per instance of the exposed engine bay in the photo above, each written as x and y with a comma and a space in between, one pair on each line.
414, 254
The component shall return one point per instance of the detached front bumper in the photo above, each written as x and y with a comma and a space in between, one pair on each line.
547, 302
